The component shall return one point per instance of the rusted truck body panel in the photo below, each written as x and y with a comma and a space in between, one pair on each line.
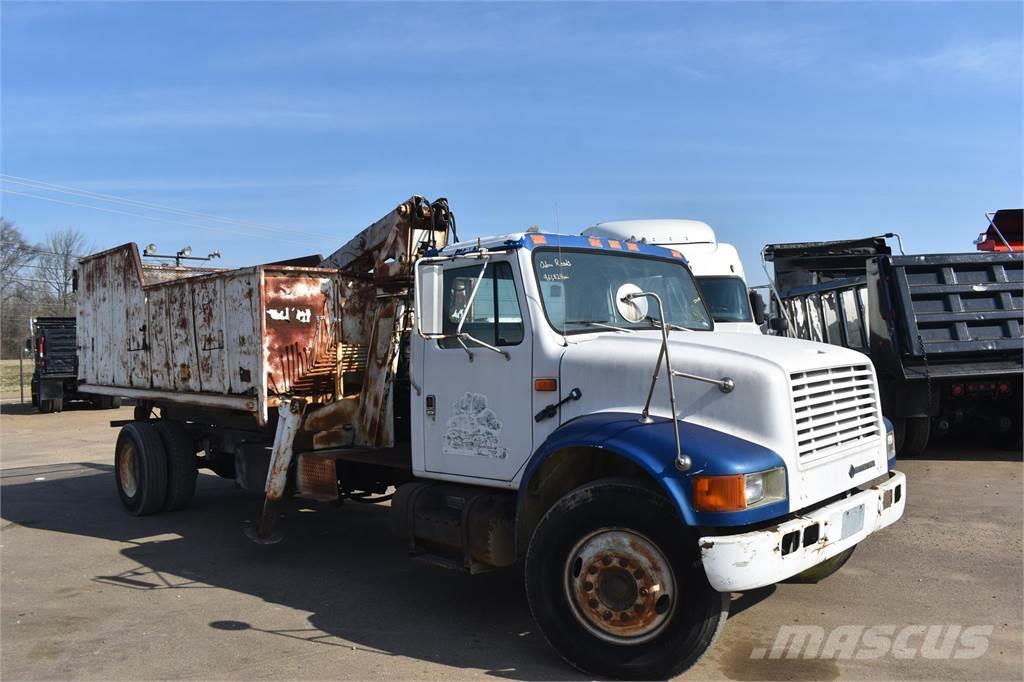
250, 334
244, 339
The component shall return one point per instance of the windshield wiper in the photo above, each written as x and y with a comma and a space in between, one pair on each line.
656, 324
597, 323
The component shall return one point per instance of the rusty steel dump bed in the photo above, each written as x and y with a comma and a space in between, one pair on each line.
243, 339
219, 338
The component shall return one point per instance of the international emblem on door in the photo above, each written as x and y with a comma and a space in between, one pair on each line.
473, 429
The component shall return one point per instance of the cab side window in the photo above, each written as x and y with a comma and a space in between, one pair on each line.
494, 316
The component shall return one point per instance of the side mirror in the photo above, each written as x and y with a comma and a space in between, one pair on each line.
429, 299
778, 324
757, 307
28, 345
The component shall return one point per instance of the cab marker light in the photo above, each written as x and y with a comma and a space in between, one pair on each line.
545, 384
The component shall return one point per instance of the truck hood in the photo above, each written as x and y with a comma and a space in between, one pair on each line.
613, 370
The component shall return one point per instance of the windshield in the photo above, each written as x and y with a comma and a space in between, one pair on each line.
578, 289
727, 298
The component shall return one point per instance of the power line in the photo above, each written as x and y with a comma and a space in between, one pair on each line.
26, 279
146, 217
64, 189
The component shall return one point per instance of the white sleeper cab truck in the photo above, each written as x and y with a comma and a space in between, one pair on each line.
564, 402
715, 264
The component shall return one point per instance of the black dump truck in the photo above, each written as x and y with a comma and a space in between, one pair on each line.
944, 331
55, 378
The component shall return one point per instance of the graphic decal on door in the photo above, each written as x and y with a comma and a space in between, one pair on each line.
473, 429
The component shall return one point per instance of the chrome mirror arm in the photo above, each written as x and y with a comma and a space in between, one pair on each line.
683, 462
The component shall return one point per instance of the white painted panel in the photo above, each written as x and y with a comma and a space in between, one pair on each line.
242, 331
160, 360
208, 298
184, 368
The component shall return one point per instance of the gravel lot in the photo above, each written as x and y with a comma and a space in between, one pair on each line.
89, 592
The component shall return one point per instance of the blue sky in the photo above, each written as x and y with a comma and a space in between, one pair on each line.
772, 122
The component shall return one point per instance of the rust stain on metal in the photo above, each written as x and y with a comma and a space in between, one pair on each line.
329, 335
317, 477
619, 591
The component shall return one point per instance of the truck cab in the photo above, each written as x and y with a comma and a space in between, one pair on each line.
715, 264
534, 355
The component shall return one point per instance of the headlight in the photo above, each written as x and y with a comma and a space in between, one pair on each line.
753, 488
739, 491
890, 445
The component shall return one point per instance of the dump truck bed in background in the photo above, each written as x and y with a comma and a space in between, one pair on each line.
233, 339
945, 332
943, 309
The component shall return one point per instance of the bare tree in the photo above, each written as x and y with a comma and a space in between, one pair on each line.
15, 292
15, 254
58, 256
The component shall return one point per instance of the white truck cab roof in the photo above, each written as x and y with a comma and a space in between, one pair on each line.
706, 256
694, 238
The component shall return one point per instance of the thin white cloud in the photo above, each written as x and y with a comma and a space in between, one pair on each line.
994, 61
197, 109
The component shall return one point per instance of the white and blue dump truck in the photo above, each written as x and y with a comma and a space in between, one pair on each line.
563, 403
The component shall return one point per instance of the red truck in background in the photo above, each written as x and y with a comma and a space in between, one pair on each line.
1005, 231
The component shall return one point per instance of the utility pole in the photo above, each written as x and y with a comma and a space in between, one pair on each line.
21, 374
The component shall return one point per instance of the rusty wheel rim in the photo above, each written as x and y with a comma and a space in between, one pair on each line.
621, 586
127, 470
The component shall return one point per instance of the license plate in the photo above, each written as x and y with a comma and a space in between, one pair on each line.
853, 521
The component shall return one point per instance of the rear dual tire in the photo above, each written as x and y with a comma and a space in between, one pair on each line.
51, 405
181, 465
912, 435
154, 467
616, 585
140, 469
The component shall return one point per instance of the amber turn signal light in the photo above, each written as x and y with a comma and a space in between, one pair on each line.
545, 384
719, 493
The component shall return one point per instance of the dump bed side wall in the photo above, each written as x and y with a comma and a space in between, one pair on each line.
920, 315
957, 304
190, 335
254, 333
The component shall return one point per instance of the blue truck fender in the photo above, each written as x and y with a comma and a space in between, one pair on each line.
652, 448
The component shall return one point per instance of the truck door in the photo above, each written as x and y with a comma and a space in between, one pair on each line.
475, 406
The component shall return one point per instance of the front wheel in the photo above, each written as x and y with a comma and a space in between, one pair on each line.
616, 585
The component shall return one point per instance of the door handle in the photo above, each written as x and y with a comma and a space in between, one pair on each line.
552, 409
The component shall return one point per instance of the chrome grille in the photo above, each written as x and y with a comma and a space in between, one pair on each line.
834, 408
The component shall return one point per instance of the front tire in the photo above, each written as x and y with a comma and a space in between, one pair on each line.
140, 469
615, 583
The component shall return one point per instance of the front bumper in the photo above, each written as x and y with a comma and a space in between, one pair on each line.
765, 557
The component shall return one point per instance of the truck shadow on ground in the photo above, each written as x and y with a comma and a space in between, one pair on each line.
340, 564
